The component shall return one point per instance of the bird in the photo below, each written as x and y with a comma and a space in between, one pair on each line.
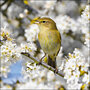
49, 38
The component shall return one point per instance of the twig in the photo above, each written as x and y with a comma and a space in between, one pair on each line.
43, 64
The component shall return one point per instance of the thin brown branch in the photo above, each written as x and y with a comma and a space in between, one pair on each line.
60, 73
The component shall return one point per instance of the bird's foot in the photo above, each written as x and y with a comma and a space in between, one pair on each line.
56, 70
40, 62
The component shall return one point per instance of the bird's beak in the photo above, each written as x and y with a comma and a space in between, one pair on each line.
35, 21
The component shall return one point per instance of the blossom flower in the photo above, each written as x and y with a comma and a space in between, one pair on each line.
5, 35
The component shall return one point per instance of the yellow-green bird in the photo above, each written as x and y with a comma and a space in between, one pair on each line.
49, 38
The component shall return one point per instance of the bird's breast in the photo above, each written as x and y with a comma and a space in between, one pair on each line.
49, 41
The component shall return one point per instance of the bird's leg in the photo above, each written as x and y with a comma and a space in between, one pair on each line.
41, 59
56, 69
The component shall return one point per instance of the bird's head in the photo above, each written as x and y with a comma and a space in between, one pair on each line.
44, 23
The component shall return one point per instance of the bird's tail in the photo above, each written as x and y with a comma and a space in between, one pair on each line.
52, 61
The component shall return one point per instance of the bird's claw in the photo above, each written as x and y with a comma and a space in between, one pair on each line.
40, 62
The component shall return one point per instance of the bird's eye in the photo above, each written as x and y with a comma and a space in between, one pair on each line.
43, 21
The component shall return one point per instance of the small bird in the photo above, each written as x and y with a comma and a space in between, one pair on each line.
49, 38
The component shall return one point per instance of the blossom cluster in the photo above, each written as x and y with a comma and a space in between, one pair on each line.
11, 52
74, 69
65, 23
37, 76
85, 26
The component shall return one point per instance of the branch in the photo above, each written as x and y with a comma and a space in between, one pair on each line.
43, 64
4, 3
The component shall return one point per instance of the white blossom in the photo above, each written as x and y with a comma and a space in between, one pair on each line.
40, 78
73, 69
65, 23
50, 76
86, 78
31, 33
85, 20
28, 48
86, 14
